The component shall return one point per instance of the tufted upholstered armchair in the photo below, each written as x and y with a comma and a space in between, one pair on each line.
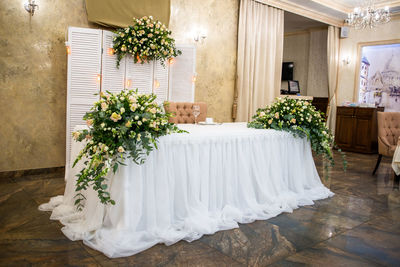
183, 111
388, 134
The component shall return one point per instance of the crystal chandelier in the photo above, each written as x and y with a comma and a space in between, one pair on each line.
368, 16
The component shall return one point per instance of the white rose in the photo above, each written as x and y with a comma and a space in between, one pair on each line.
139, 123
136, 117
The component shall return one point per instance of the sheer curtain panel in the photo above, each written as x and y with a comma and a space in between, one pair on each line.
259, 57
333, 65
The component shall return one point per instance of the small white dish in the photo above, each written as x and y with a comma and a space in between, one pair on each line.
208, 123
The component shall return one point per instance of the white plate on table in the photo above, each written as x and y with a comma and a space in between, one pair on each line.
208, 123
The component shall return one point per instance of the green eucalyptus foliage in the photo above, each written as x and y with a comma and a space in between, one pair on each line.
123, 125
301, 119
147, 39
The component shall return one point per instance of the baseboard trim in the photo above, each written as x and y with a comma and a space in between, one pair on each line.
22, 173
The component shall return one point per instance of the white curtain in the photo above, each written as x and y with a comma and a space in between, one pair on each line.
259, 57
333, 65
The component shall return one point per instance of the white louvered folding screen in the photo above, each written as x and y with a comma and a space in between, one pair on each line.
182, 72
112, 78
139, 76
91, 56
161, 81
84, 66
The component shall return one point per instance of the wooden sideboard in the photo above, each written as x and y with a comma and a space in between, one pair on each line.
356, 129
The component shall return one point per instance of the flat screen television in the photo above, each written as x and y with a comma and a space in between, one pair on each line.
287, 71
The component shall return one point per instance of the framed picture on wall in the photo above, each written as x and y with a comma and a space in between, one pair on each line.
293, 87
377, 80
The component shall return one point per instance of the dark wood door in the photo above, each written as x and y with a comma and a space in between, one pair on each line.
344, 131
362, 134
363, 129
344, 127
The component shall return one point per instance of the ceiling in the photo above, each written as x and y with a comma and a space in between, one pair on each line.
332, 12
355, 3
294, 23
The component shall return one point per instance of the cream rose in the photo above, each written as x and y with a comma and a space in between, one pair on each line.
104, 106
115, 117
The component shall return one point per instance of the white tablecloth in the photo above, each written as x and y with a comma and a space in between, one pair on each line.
194, 184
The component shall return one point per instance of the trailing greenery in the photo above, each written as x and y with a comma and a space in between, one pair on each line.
301, 119
147, 39
121, 125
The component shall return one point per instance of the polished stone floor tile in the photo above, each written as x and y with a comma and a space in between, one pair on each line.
256, 244
359, 226
38, 252
358, 208
314, 225
324, 255
377, 241
41, 190
374, 243
179, 254
28, 237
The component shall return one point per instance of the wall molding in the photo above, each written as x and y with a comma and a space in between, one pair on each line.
300, 10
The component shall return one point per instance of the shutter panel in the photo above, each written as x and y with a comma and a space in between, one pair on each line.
112, 78
182, 72
139, 76
84, 66
161, 80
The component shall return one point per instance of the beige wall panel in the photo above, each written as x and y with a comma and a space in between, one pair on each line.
317, 81
296, 49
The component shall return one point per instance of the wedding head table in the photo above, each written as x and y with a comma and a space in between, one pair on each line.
195, 183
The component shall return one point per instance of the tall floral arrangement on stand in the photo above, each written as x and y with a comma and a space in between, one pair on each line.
147, 39
301, 119
123, 125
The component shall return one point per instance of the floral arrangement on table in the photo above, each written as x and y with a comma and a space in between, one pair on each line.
147, 39
121, 125
301, 119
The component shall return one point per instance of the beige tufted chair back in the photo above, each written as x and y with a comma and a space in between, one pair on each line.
183, 111
388, 132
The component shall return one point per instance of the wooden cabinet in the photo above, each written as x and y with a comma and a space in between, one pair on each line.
356, 129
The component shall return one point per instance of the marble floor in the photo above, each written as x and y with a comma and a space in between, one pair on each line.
359, 226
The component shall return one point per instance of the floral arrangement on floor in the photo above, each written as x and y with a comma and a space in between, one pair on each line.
121, 125
301, 119
147, 39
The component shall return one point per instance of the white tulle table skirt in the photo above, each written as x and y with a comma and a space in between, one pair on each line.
198, 183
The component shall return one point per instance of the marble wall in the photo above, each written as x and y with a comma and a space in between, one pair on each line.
216, 56
33, 71
33, 80
348, 50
